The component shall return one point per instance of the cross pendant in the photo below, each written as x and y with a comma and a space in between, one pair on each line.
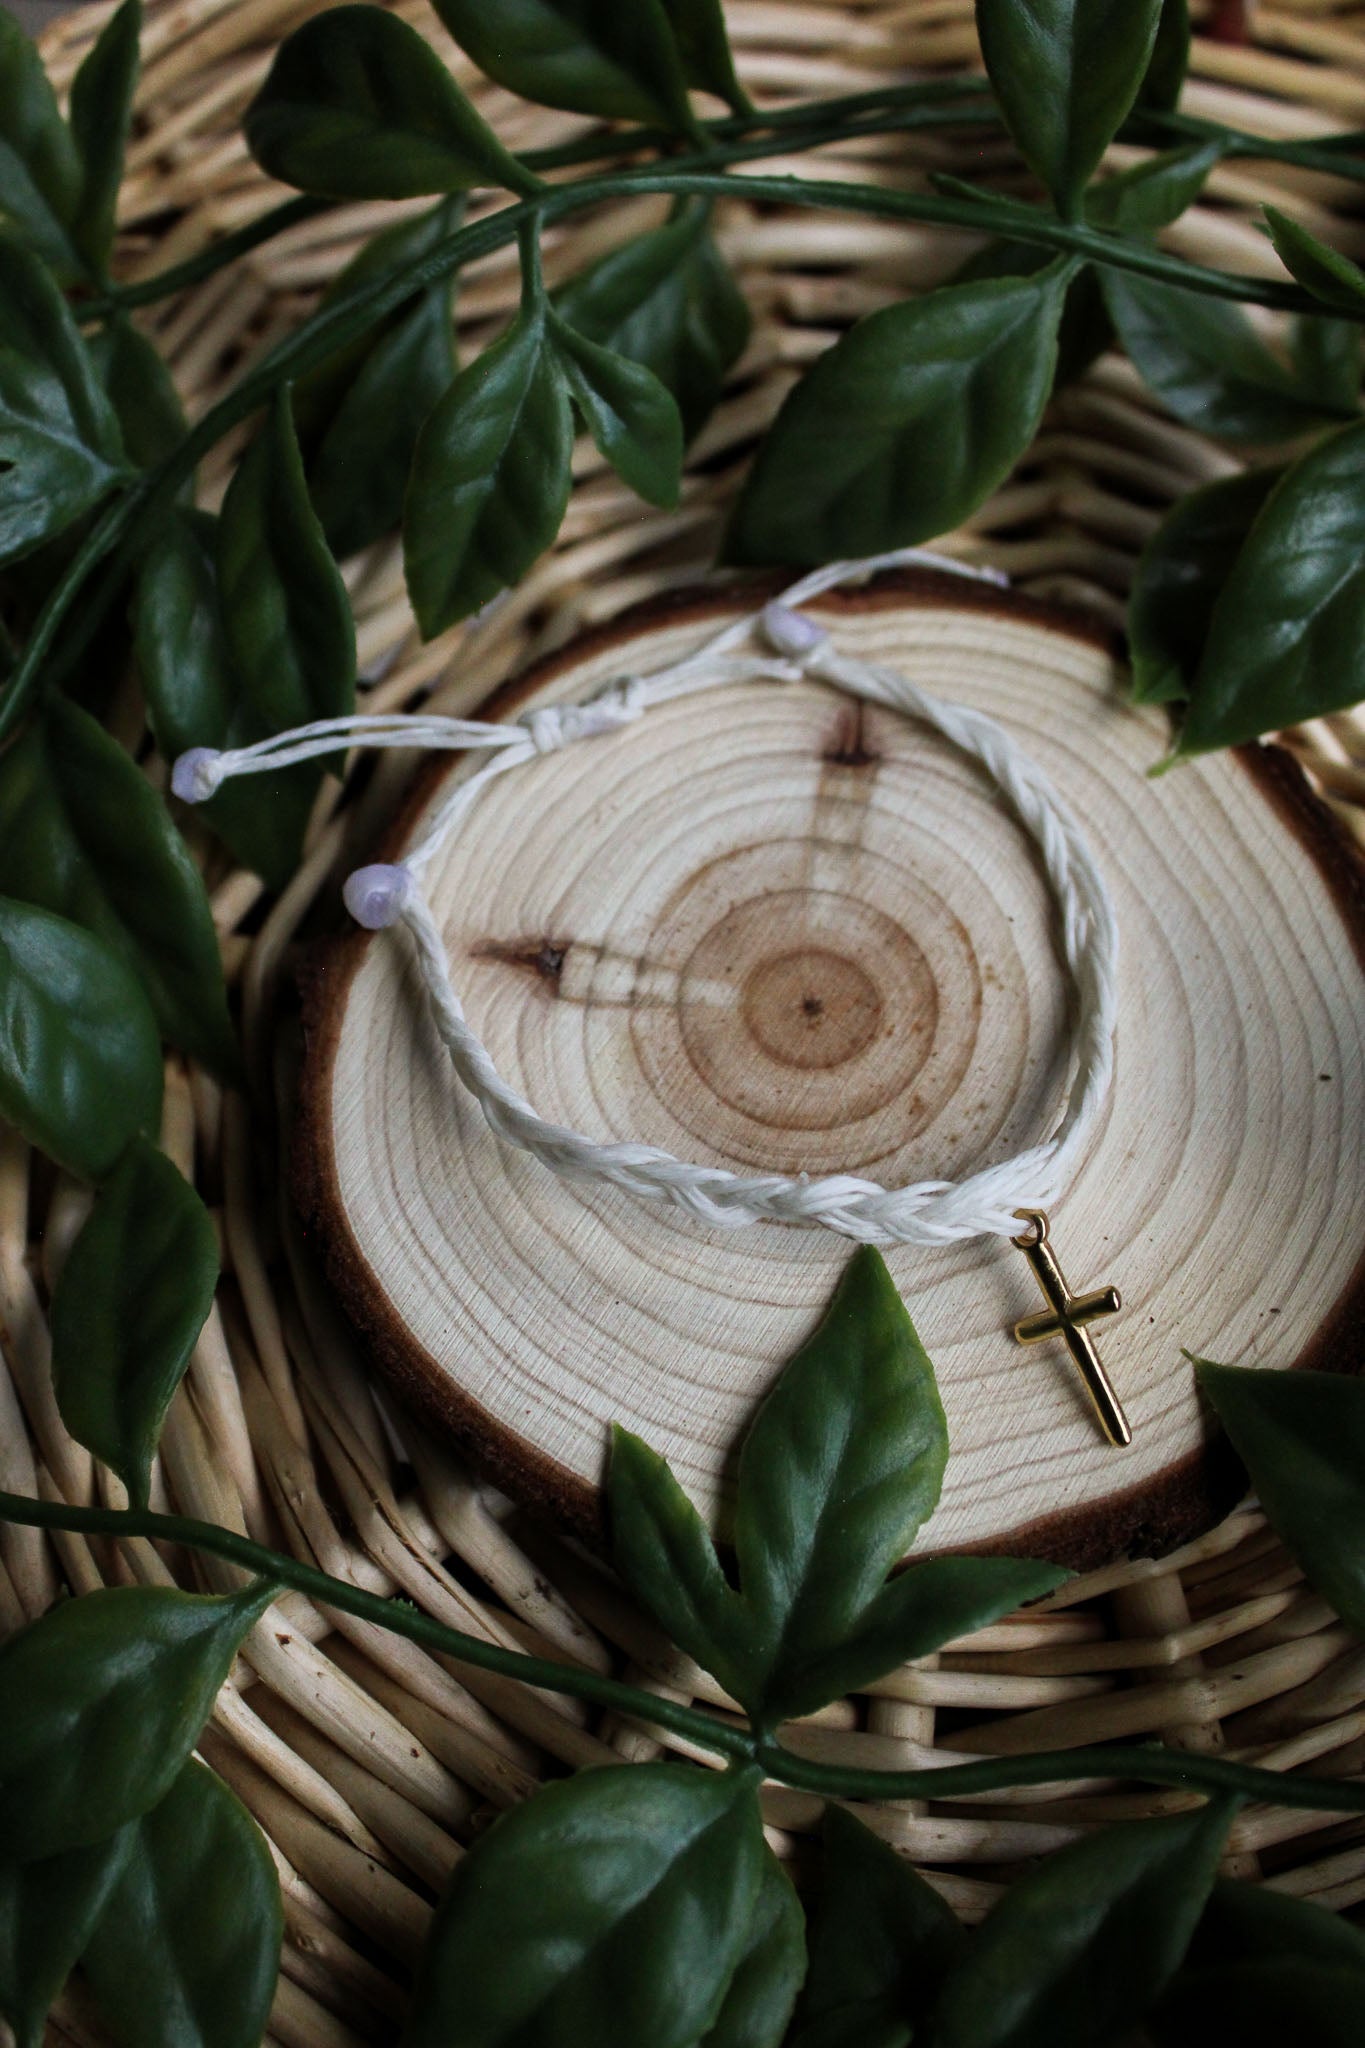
1066, 1316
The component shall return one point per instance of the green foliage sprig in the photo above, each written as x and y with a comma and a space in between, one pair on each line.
620, 1906
357, 104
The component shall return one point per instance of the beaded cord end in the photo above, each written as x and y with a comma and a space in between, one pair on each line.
790, 632
376, 895
197, 775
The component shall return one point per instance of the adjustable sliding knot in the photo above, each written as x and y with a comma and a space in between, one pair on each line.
377, 896
551, 726
198, 774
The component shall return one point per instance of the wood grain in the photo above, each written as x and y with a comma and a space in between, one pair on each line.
772, 930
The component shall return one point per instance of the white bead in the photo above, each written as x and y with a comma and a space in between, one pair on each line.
790, 632
376, 895
197, 775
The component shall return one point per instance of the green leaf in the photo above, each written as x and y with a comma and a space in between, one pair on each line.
1301, 1436
490, 479
101, 114
60, 450
1262, 2005
196, 699
1066, 74
1085, 330
1154, 193
1287, 637
48, 1910
357, 105
591, 56
906, 425
39, 169
704, 46
633, 420
88, 838
821, 1518
668, 300
1333, 278
1079, 1950
1247, 1923
101, 1702
611, 1909
145, 401
843, 1463
1326, 355
188, 1949
378, 405
80, 1059
664, 1553
1207, 365
360, 474
287, 634
1265, 1968
131, 1299
922, 1608
319, 394
883, 1943
768, 1976
284, 603
179, 641
1165, 79
1179, 576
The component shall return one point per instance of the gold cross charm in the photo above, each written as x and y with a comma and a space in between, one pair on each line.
1066, 1316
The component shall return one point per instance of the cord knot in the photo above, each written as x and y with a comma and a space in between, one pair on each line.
376, 895
545, 726
550, 726
197, 775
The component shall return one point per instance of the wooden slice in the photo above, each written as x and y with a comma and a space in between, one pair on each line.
767, 928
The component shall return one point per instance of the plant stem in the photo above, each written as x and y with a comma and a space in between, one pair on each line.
1340, 156
1152, 1765
723, 1738
1008, 218
217, 256
1149, 1763
813, 124
533, 294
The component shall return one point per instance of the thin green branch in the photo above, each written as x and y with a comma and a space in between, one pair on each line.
1341, 156
1005, 217
813, 124
810, 124
722, 1738
1146, 1763
1155, 1766
122, 298
950, 102
533, 293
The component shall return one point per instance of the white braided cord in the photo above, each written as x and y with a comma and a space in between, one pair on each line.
936, 1212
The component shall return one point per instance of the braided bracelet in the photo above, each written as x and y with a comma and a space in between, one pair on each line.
781, 644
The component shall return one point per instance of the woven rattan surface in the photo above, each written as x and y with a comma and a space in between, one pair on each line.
370, 1764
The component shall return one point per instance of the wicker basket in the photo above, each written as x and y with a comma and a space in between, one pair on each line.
369, 1763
